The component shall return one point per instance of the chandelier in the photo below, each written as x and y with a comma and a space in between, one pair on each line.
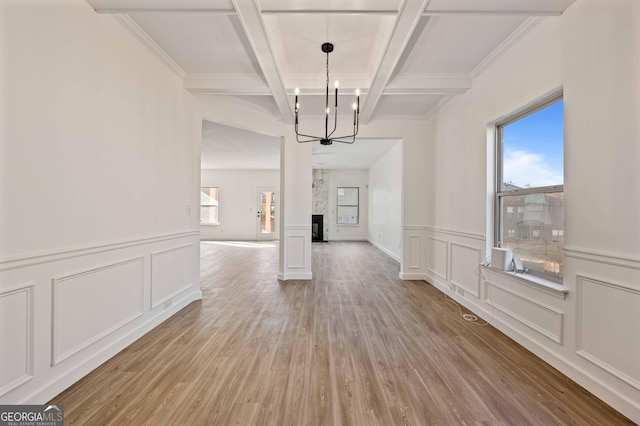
328, 138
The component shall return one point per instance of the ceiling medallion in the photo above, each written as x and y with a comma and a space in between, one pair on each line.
328, 139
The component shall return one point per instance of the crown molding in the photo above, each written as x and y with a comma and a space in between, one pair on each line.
520, 32
226, 84
428, 83
134, 29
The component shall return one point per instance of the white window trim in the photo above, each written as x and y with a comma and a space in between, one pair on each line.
545, 284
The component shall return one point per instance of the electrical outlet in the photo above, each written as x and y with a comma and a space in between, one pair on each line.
460, 291
188, 209
167, 304
452, 287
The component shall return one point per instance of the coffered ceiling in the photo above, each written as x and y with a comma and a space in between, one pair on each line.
406, 56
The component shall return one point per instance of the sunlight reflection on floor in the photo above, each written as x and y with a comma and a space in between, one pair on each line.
245, 244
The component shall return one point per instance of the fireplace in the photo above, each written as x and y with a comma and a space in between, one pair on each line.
317, 227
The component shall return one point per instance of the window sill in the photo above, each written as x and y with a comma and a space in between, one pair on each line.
347, 225
543, 284
210, 224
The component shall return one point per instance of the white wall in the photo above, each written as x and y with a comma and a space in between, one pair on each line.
593, 51
99, 163
238, 200
385, 202
347, 178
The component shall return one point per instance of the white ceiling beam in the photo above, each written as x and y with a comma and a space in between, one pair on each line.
173, 6
428, 84
409, 16
225, 84
251, 20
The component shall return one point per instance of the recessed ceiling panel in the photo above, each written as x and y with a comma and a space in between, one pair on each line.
406, 105
160, 5
359, 43
456, 43
288, 5
499, 6
201, 43
230, 148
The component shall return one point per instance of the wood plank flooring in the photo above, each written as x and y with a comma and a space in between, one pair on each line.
355, 346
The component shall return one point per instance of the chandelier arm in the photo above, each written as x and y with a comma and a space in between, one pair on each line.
356, 128
313, 139
335, 123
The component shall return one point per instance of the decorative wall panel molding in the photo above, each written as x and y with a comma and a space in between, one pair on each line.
296, 252
463, 268
438, 257
415, 252
105, 298
607, 327
470, 235
33, 259
538, 317
16, 337
612, 259
167, 280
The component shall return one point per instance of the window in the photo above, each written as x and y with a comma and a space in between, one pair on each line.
209, 206
530, 183
348, 206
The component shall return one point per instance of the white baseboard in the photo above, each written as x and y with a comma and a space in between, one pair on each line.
296, 276
69, 377
385, 251
412, 276
615, 399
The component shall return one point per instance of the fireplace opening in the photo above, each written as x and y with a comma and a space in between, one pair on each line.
317, 228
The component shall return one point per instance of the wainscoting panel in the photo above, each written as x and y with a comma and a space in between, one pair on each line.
534, 315
608, 321
415, 252
464, 268
438, 257
89, 305
296, 252
16, 337
167, 279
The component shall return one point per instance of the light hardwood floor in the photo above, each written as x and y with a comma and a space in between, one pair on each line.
355, 346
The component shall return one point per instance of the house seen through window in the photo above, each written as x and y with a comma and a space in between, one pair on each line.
209, 206
348, 206
530, 187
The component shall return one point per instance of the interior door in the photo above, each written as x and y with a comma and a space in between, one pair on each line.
267, 213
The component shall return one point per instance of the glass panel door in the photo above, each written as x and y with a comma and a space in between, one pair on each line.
267, 214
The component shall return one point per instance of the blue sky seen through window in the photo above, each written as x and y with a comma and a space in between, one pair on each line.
533, 149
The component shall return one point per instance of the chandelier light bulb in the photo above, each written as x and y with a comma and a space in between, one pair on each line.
337, 84
357, 92
328, 111
297, 91
355, 106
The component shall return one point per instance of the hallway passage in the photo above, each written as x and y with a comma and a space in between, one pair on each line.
355, 346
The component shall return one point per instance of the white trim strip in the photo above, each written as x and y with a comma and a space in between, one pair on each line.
32, 259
